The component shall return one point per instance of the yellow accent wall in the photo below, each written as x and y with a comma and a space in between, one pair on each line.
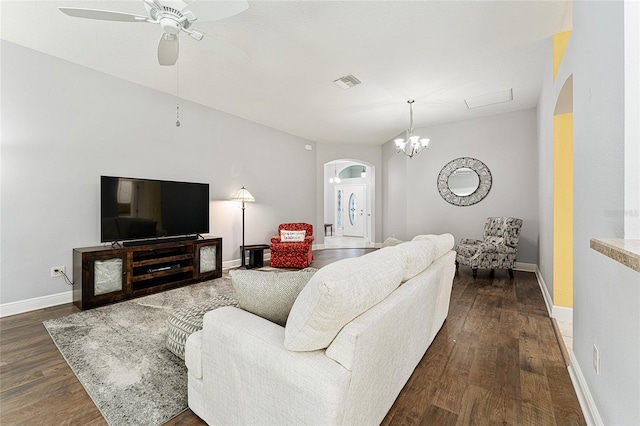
563, 210
560, 41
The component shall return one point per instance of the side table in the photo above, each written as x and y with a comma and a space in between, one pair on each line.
256, 255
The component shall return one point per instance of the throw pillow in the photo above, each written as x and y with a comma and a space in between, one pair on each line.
292, 236
390, 242
269, 295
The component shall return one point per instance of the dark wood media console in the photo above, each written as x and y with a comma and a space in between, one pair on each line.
104, 275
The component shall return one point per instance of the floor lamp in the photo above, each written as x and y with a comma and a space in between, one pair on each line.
244, 196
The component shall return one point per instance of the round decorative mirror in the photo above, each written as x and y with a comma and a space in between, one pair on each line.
464, 181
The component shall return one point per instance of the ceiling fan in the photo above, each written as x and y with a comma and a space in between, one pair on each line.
175, 16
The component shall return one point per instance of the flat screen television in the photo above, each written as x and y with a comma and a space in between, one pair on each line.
144, 209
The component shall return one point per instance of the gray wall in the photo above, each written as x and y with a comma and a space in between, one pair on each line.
606, 294
394, 193
506, 143
546, 107
64, 125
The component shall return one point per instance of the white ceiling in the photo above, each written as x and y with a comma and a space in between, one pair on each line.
436, 52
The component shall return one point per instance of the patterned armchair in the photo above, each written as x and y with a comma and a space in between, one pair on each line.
498, 249
285, 254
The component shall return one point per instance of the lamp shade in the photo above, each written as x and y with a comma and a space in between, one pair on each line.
243, 195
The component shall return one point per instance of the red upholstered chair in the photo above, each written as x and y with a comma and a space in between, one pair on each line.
285, 254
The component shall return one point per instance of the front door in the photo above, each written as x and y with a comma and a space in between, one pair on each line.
353, 200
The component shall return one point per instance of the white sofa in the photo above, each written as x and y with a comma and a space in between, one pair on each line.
246, 370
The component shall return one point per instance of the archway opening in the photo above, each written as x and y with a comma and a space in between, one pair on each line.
349, 202
563, 211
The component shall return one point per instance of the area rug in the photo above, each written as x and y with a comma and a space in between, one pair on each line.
118, 354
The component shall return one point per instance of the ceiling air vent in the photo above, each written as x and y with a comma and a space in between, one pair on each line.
347, 82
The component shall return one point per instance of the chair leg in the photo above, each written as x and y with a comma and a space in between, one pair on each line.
510, 273
475, 272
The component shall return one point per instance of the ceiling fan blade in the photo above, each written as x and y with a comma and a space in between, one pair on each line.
103, 15
168, 49
218, 46
206, 10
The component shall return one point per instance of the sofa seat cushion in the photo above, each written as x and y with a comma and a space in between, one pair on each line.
497, 248
467, 250
338, 293
269, 295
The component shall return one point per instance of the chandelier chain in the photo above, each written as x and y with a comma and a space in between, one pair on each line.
410, 117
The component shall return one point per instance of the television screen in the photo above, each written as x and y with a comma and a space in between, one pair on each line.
132, 209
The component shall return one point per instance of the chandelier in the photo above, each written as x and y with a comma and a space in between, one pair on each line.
411, 144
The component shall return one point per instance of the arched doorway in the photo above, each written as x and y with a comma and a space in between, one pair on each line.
349, 200
563, 211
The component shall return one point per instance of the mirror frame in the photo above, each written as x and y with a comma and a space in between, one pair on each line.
481, 169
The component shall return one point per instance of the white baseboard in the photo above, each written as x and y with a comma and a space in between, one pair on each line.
588, 405
548, 300
231, 264
235, 263
525, 267
22, 306
562, 314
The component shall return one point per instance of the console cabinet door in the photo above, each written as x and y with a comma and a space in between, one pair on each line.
208, 259
106, 276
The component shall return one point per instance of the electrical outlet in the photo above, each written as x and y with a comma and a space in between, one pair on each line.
596, 359
57, 271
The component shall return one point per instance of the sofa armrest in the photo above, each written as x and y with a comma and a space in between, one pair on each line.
248, 372
275, 239
309, 239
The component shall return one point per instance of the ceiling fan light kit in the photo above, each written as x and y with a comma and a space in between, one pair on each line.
173, 17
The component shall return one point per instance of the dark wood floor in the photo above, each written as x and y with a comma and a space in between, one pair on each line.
495, 361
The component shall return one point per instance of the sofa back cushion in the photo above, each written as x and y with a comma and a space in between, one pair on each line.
338, 293
418, 256
443, 242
